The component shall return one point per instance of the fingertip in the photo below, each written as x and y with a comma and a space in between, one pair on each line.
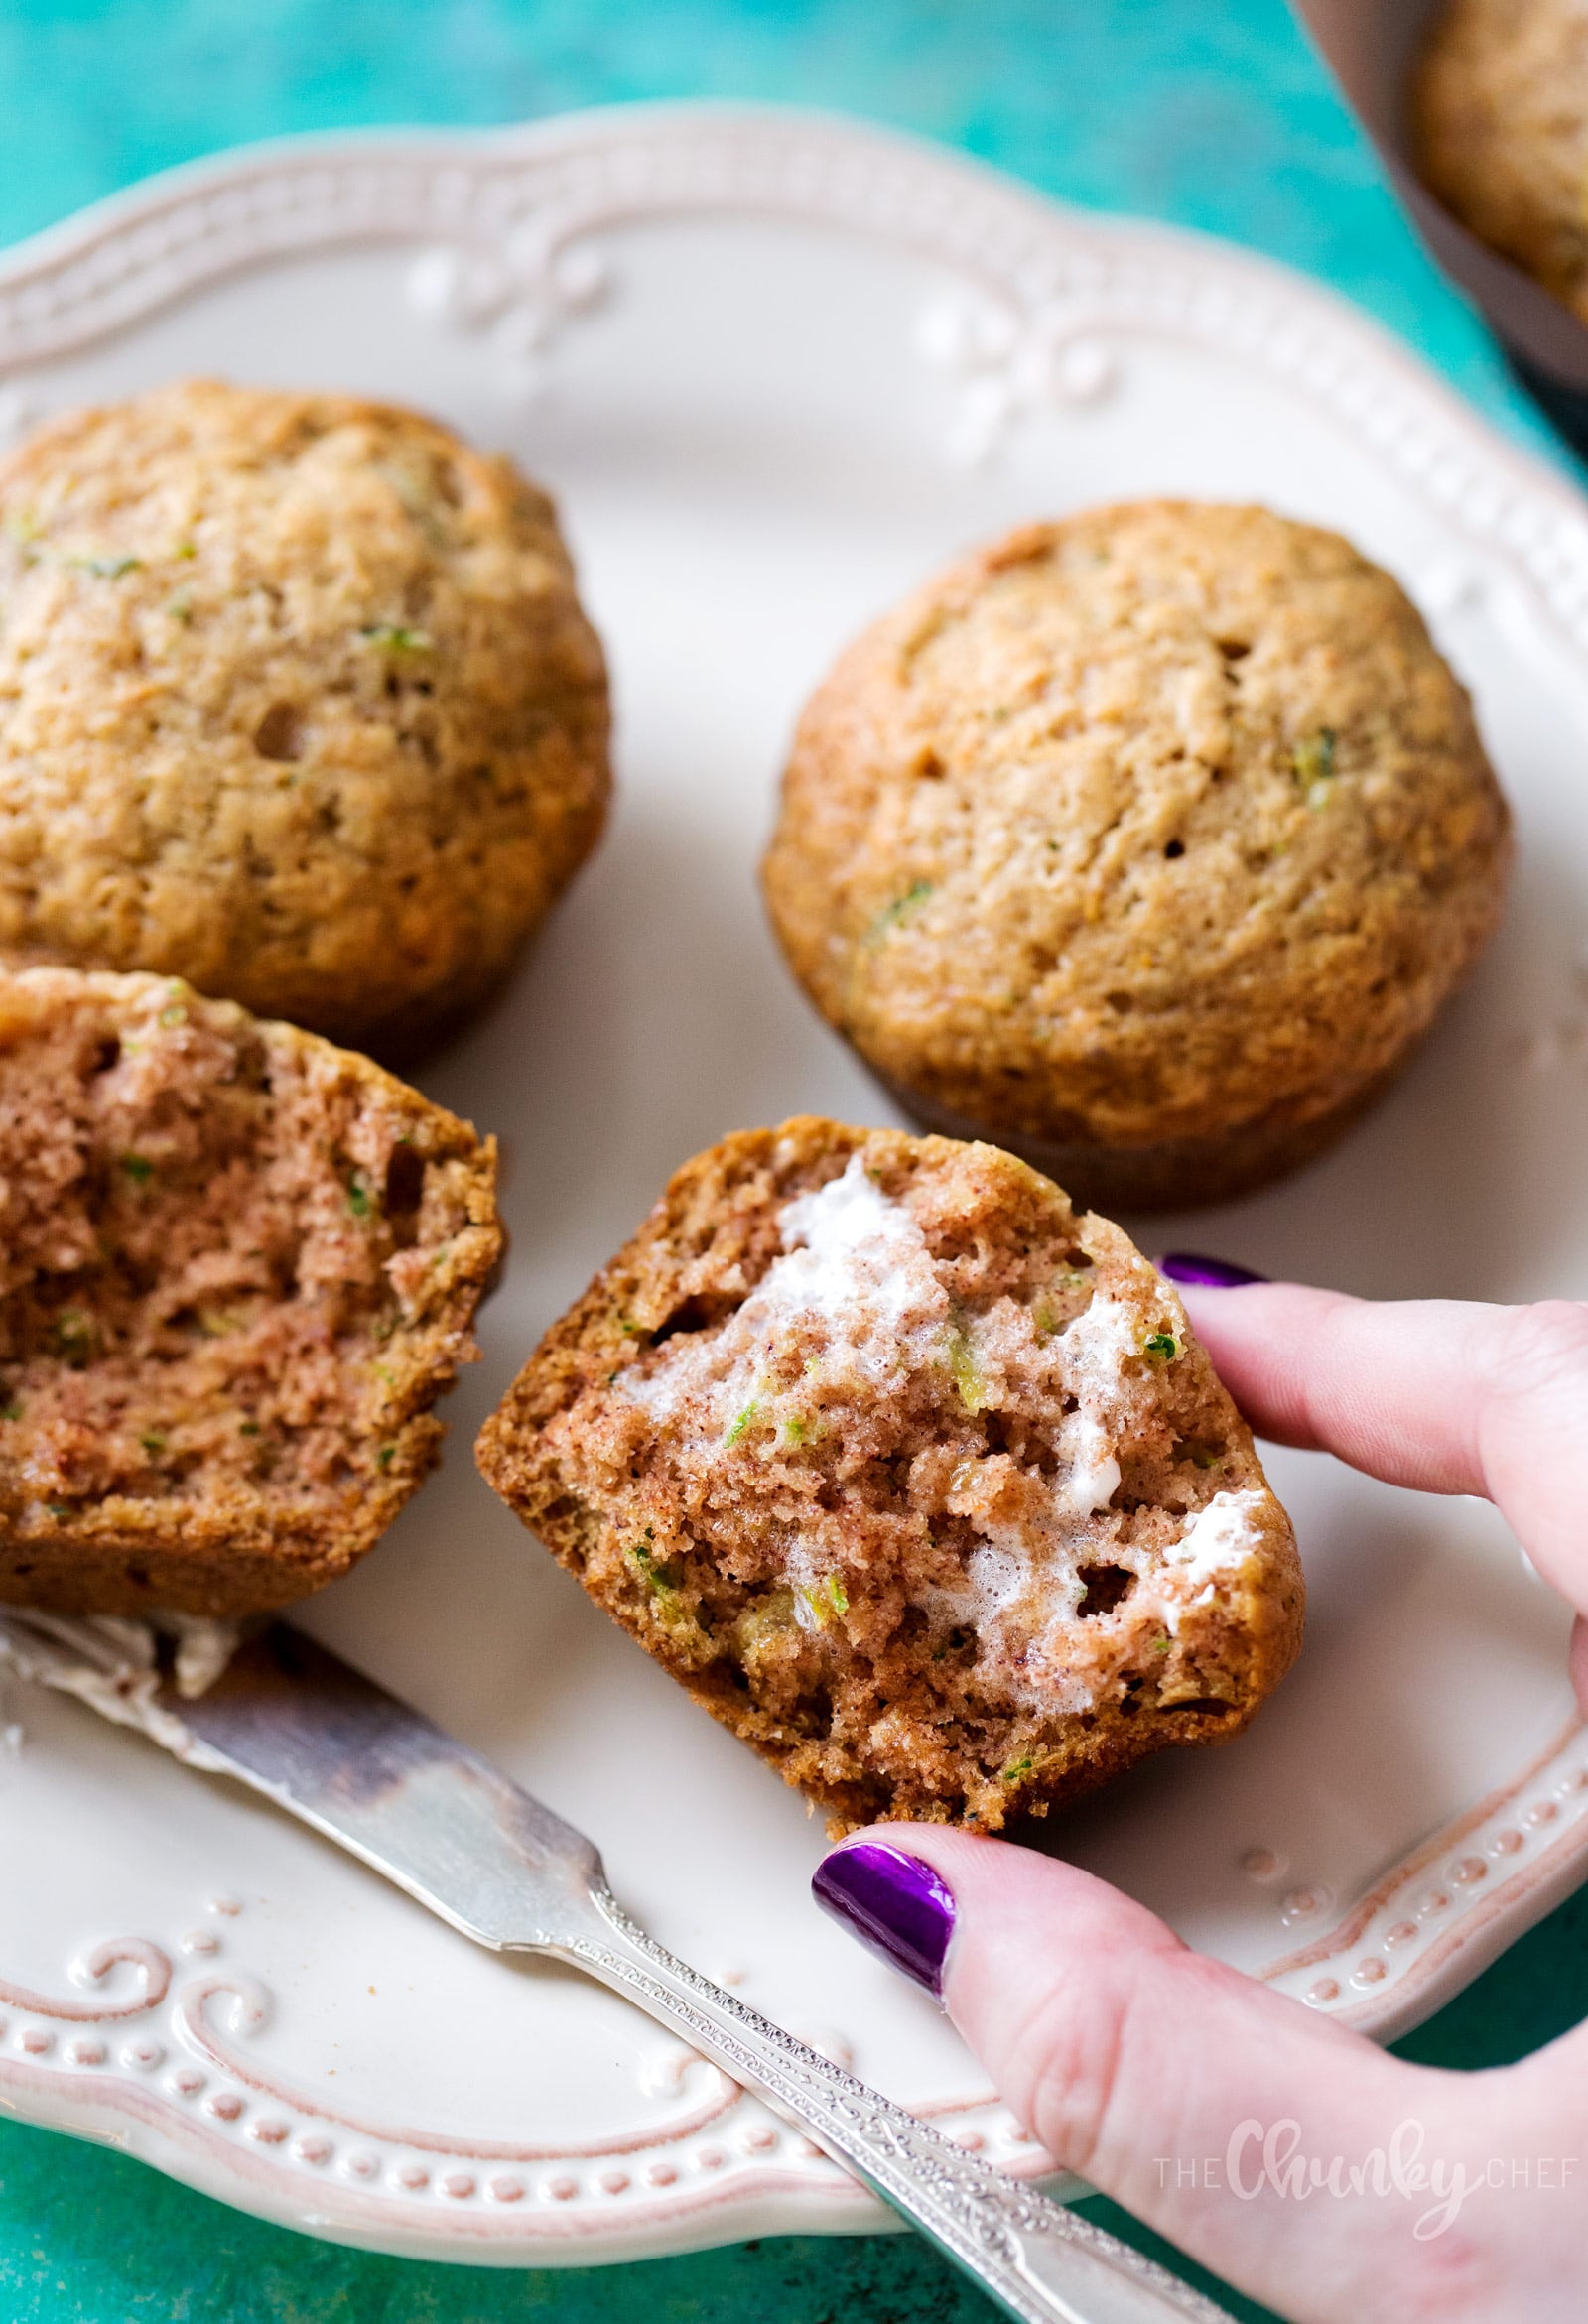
1579, 1662
1183, 1268
892, 1901
902, 1889
1265, 1302
1264, 1341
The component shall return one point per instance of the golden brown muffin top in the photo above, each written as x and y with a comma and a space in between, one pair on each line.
296, 701
1137, 826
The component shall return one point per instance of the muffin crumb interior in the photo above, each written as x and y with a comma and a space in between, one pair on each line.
236, 1267
917, 1474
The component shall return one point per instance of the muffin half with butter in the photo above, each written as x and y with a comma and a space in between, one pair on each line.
913, 1476
1147, 843
297, 701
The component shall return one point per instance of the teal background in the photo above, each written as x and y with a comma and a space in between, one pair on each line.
1210, 112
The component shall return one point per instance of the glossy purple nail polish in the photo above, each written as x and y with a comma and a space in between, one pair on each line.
893, 1902
1189, 1266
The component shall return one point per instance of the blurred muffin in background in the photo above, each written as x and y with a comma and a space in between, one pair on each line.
1146, 843
1500, 131
297, 701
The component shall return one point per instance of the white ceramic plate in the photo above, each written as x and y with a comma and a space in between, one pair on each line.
776, 368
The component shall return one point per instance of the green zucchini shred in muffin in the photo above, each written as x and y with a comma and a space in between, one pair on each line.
916, 1478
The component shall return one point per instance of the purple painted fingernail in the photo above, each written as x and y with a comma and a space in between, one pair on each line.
1189, 1266
894, 1903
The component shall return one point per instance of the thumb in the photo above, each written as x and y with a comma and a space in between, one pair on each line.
1579, 1661
1151, 2071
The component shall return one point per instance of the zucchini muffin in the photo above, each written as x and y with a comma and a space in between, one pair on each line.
297, 701
1500, 131
1146, 843
915, 1479
237, 1267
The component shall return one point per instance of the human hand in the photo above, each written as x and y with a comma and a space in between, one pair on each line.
1119, 2046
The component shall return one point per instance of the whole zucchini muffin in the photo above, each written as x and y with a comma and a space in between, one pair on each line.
1146, 843
237, 1267
297, 701
1500, 130
915, 1479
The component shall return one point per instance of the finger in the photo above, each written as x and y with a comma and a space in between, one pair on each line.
1377, 1383
1155, 2073
1579, 1662
1445, 1395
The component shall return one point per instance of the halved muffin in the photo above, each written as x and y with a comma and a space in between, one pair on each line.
237, 1267
914, 1477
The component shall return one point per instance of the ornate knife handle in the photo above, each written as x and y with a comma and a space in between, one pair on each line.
1042, 2263
318, 1739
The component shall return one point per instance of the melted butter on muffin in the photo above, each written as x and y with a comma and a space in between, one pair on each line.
904, 1468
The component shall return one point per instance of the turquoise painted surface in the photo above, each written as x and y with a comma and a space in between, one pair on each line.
1210, 112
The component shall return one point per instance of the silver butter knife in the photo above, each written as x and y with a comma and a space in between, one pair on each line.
309, 1732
